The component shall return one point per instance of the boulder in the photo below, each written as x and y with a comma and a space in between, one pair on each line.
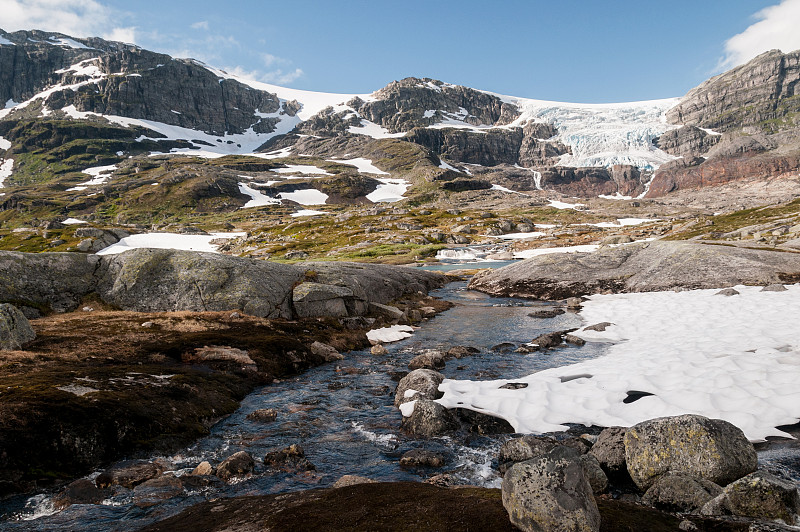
431, 359
429, 419
677, 492
15, 331
53, 282
424, 382
378, 349
156, 280
550, 494
643, 267
548, 340
460, 351
609, 449
597, 478
523, 448
238, 465
81, 491
128, 474
327, 352
421, 458
156, 490
203, 469
481, 423
758, 495
710, 449
291, 459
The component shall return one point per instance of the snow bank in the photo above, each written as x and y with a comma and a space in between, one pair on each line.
168, 241
257, 198
734, 358
6, 169
390, 334
364, 166
389, 191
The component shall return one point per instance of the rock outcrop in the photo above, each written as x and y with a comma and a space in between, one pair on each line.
644, 267
15, 330
172, 280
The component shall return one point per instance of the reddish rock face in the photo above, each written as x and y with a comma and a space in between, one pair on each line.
720, 171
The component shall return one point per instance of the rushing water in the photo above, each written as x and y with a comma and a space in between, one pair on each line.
342, 414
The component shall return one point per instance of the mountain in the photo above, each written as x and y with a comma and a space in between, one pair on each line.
88, 108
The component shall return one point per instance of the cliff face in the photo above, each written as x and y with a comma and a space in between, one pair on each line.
764, 93
117, 79
754, 112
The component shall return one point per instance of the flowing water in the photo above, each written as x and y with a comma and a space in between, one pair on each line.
342, 414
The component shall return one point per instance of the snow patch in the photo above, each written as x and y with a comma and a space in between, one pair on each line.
389, 191
562, 205
301, 169
363, 165
257, 198
73, 221
306, 212
386, 335
309, 196
694, 351
168, 241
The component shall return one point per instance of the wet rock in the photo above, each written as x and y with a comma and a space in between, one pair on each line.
574, 340
574, 303
552, 494
504, 347
263, 415
481, 423
514, 386
291, 459
609, 449
758, 495
548, 313
594, 474
523, 448
676, 492
156, 490
774, 288
238, 465
352, 480
378, 349
82, 491
599, 327
429, 419
15, 330
443, 480
548, 340
202, 469
128, 474
429, 360
727, 292
421, 458
419, 383
461, 351
328, 353
711, 449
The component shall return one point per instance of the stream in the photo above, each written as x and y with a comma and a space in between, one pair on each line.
342, 414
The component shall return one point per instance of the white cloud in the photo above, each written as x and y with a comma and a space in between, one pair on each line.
777, 26
277, 76
202, 25
79, 18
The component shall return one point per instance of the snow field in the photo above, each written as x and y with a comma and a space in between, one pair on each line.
734, 358
167, 241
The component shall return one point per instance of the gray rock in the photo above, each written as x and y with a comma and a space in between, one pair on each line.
15, 331
552, 494
81, 491
651, 266
128, 474
154, 280
327, 352
291, 459
574, 340
54, 282
594, 474
429, 419
238, 465
424, 381
609, 449
378, 349
202, 469
548, 340
429, 360
727, 292
758, 495
316, 299
389, 312
421, 458
600, 327
776, 287
676, 492
461, 351
524, 448
615, 240
710, 449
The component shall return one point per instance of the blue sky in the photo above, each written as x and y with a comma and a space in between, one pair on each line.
583, 51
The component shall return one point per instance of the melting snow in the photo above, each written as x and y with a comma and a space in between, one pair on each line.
504, 189
394, 333
364, 166
307, 212
257, 198
71, 221
309, 196
99, 174
389, 191
301, 169
563, 205
734, 358
168, 241
6, 169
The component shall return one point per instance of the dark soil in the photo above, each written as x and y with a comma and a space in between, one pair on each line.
147, 398
401, 506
